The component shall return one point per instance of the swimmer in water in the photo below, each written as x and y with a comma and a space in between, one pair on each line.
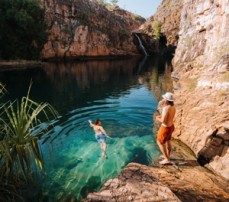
100, 135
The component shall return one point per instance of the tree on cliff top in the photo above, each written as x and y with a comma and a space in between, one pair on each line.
22, 29
114, 2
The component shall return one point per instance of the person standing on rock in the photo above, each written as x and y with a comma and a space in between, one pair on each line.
100, 135
167, 127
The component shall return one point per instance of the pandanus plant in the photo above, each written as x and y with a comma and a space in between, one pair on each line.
20, 123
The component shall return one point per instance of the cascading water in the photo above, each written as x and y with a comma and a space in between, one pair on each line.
141, 45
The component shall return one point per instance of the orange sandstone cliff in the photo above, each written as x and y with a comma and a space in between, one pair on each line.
84, 28
198, 30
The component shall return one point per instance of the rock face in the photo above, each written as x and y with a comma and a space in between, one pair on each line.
134, 184
164, 24
84, 28
199, 30
201, 84
184, 180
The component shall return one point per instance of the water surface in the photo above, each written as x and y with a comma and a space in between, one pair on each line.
122, 93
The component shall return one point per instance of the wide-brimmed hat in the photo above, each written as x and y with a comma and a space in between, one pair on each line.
168, 96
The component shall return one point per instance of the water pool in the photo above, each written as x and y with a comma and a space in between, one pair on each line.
121, 93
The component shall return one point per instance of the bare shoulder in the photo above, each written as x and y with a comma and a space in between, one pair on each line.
166, 108
169, 109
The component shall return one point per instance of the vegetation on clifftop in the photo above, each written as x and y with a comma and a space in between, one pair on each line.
22, 29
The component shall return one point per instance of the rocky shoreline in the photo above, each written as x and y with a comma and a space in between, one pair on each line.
183, 180
19, 64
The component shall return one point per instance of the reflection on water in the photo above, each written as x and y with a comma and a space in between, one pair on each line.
82, 82
122, 93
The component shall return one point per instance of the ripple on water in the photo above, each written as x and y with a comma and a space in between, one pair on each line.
76, 166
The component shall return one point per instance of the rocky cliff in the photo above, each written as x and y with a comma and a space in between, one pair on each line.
199, 30
163, 25
201, 82
84, 28
201, 88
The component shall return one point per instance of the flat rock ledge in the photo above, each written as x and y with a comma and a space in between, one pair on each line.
182, 180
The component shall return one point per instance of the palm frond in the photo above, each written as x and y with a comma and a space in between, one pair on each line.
2, 90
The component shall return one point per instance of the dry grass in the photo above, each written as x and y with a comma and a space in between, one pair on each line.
225, 77
191, 84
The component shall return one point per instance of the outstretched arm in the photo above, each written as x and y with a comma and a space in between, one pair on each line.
90, 122
104, 132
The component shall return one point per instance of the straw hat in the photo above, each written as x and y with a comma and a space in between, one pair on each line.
168, 96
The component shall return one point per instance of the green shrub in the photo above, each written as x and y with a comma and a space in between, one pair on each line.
19, 134
22, 29
157, 30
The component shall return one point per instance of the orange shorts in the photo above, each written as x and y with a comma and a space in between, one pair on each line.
165, 133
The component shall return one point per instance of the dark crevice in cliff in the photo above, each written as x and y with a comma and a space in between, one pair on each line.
215, 146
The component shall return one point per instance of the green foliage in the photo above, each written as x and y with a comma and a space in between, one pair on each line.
22, 29
114, 2
8, 192
19, 132
157, 30
102, 2
2, 90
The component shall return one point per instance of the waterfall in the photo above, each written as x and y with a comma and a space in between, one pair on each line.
141, 45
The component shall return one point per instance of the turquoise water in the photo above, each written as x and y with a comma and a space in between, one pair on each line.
120, 93
77, 167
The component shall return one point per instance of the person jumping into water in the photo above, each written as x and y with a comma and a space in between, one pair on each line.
100, 135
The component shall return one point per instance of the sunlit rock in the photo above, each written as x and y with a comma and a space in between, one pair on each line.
84, 28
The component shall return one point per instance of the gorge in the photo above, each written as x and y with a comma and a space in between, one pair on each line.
194, 33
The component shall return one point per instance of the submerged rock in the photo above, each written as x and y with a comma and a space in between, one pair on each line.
182, 180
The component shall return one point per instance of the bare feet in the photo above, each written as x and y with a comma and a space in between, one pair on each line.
104, 155
165, 161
